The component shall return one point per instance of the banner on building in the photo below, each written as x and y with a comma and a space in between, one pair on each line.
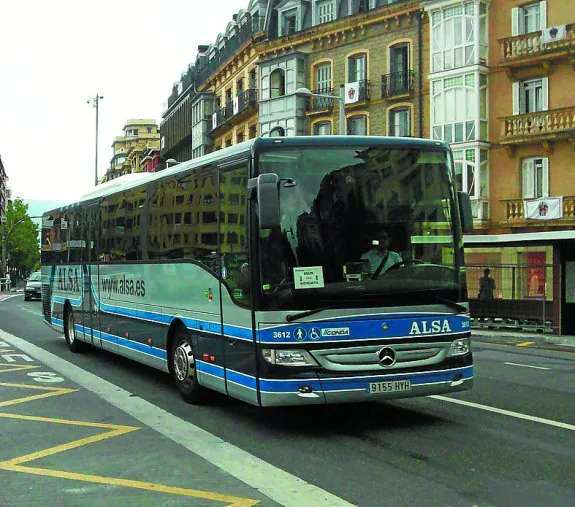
214, 121
545, 208
236, 105
554, 33
351, 92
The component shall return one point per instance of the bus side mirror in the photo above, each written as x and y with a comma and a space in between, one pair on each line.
266, 187
466, 215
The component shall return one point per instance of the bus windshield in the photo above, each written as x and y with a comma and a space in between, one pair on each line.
361, 226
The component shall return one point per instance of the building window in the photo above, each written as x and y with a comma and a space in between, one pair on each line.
453, 35
324, 11
322, 128
399, 122
323, 77
530, 96
454, 108
277, 83
131, 132
357, 125
399, 81
357, 68
529, 18
535, 178
289, 22
277, 132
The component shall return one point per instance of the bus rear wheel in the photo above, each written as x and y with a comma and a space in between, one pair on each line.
183, 368
74, 344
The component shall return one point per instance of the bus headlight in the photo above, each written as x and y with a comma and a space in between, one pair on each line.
288, 357
460, 347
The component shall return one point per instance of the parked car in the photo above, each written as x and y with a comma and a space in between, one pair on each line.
33, 287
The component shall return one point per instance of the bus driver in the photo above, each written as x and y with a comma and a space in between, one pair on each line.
379, 257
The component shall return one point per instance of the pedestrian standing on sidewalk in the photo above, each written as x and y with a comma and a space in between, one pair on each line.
486, 285
486, 290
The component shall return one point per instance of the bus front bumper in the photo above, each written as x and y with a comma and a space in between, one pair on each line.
351, 389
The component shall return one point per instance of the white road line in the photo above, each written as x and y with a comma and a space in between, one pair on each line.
4, 298
278, 485
509, 413
29, 310
528, 366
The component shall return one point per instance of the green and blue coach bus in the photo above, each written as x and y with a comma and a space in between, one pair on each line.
280, 271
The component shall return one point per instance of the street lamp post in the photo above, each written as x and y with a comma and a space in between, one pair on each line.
306, 92
95, 101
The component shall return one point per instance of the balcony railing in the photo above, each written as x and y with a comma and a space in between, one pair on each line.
540, 125
320, 103
531, 44
246, 99
515, 208
397, 83
363, 90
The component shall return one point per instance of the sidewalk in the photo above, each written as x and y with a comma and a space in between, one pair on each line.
493, 334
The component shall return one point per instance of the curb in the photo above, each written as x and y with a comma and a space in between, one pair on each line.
543, 339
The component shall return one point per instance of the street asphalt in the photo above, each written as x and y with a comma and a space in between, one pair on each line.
508, 441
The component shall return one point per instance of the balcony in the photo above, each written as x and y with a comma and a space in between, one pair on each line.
397, 84
363, 90
320, 104
542, 126
529, 49
247, 100
515, 209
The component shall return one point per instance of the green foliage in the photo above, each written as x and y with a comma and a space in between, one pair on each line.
23, 246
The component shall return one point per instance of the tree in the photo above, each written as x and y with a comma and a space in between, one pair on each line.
23, 246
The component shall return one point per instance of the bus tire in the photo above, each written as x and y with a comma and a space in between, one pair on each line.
183, 367
74, 344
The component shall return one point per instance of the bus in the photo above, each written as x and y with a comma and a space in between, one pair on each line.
279, 271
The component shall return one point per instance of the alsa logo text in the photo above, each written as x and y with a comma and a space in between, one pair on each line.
430, 327
68, 280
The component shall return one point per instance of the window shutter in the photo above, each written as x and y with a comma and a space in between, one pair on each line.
516, 98
515, 16
528, 179
543, 15
545, 177
544, 94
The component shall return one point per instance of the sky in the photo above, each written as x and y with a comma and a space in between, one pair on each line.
57, 54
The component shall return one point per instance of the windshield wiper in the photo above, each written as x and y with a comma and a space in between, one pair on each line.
307, 313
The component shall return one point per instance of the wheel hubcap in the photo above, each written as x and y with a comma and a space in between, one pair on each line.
184, 363
71, 328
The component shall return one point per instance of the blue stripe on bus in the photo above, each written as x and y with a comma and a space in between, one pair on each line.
232, 375
379, 328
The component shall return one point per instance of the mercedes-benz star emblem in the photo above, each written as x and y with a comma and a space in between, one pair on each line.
386, 356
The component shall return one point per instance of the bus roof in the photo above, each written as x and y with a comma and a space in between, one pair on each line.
125, 183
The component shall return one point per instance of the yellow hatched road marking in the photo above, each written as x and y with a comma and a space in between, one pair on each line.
5, 368
52, 391
525, 344
150, 486
15, 464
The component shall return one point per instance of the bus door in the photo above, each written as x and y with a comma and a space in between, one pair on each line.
238, 346
91, 321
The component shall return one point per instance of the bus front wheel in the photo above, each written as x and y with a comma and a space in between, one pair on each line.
183, 367
74, 344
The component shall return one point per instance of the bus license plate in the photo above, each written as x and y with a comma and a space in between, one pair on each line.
395, 386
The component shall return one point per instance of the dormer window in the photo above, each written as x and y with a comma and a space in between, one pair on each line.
324, 11
289, 22
290, 17
131, 132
